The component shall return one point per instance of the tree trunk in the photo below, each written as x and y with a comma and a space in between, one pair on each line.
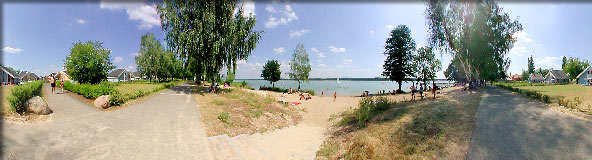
272, 85
213, 86
434, 88
399, 87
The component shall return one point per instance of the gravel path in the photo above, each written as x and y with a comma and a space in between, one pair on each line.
509, 126
165, 126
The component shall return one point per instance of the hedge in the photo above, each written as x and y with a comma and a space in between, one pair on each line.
276, 89
22, 93
529, 93
117, 98
91, 91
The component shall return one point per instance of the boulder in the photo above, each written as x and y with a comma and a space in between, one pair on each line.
102, 102
38, 106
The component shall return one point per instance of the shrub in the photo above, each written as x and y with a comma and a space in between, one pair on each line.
22, 93
370, 106
257, 114
224, 117
89, 90
546, 98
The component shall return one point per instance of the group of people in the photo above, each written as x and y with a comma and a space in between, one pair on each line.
52, 81
421, 90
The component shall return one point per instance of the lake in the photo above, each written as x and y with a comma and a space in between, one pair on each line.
343, 88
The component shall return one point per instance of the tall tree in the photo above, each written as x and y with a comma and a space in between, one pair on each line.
477, 33
300, 65
88, 62
452, 73
150, 57
271, 72
541, 71
563, 62
399, 49
208, 35
530, 65
575, 66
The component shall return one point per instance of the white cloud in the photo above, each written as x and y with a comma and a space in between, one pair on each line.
322, 55
548, 62
372, 32
137, 11
130, 68
248, 7
298, 33
314, 49
522, 40
336, 49
390, 27
118, 59
80, 21
9, 49
347, 61
135, 54
280, 50
286, 15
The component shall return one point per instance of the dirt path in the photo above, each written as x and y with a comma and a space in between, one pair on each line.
165, 126
513, 127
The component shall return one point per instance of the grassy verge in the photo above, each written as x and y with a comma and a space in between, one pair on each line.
282, 90
238, 111
6, 108
570, 96
427, 129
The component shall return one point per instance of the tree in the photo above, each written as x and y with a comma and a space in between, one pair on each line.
427, 65
575, 66
399, 49
208, 35
154, 62
563, 62
542, 71
14, 70
477, 33
300, 65
271, 72
452, 73
88, 62
530, 65
525, 75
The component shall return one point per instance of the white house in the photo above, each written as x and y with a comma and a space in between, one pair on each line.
556, 76
585, 78
119, 75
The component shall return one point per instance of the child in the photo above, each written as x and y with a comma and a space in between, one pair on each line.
334, 96
62, 86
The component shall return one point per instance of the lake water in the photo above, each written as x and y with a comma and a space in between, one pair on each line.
344, 88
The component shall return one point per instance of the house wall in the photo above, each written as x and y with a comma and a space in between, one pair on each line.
584, 78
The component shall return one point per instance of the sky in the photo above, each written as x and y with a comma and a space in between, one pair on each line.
342, 39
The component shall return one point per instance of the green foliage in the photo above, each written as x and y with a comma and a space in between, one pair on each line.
20, 94
399, 50
153, 61
300, 65
369, 107
427, 65
88, 62
529, 93
229, 77
574, 66
224, 116
257, 114
478, 34
271, 72
530, 65
453, 73
218, 102
208, 35
90, 90
283, 90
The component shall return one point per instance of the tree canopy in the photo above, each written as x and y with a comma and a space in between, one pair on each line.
478, 33
399, 49
300, 65
271, 72
208, 35
531, 68
575, 66
88, 62
427, 65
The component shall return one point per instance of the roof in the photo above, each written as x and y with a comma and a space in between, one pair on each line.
22, 74
12, 74
559, 74
34, 75
136, 74
516, 76
584, 71
536, 76
116, 73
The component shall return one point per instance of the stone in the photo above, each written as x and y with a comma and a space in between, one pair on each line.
102, 102
38, 106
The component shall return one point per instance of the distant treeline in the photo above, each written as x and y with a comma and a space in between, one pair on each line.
344, 79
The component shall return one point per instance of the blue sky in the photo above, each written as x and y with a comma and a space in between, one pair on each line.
342, 39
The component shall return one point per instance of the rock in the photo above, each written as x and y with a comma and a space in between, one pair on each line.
102, 102
38, 106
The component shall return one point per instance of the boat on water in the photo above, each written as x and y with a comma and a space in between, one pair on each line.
338, 80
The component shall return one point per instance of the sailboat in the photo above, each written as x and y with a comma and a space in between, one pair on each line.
338, 80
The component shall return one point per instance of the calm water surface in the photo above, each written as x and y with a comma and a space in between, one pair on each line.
343, 88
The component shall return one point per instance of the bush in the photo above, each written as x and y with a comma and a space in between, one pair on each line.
370, 106
276, 89
89, 90
22, 93
224, 117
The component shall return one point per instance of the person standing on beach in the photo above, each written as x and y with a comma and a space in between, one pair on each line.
412, 92
334, 96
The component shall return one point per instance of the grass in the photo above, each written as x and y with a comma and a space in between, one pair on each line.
6, 108
427, 129
570, 91
238, 111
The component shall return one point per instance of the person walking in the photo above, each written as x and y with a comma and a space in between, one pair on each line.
334, 96
52, 81
62, 86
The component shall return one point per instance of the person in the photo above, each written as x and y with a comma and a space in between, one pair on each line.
290, 91
302, 97
53, 85
308, 97
412, 92
62, 86
334, 96
226, 85
421, 91
322, 93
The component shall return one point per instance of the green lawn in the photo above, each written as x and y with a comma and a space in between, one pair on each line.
569, 91
5, 104
135, 87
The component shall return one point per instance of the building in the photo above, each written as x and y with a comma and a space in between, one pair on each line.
119, 75
556, 76
62, 76
9, 77
26, 76
536, 78
585, 78
516, 77
136, 76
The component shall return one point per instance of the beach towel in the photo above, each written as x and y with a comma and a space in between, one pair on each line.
294, 103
